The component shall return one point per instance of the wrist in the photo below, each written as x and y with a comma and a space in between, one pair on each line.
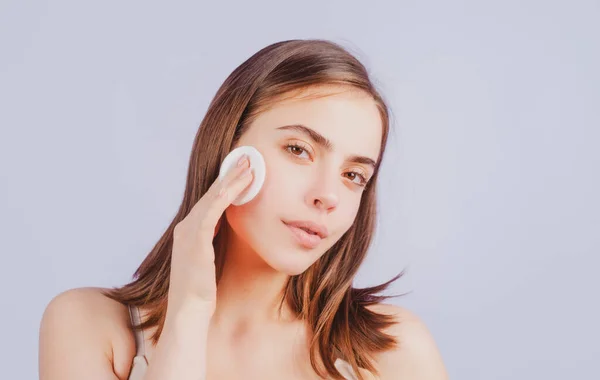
190, 312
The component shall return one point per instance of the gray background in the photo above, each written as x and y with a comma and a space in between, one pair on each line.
489, 191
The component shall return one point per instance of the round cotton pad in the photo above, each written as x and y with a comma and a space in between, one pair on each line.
257, 163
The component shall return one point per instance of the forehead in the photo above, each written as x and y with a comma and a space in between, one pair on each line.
349, 118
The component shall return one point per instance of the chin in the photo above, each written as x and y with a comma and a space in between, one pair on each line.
287, 257
289, 268
286, 260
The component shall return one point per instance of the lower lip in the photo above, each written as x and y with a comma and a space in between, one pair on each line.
304, 238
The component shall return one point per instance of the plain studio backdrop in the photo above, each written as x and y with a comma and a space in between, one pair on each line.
489, 190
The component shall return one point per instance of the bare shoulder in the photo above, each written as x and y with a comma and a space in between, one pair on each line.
84, 334
417, 355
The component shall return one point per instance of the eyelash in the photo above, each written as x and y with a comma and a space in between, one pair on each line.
363, 182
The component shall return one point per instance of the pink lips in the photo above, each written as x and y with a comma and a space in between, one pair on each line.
305, 239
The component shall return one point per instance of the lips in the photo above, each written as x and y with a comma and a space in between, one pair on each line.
310, 227
307, 234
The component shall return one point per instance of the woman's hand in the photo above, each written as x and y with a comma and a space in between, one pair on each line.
192, 276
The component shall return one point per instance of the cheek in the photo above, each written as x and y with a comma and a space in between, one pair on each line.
282, 196
259, 216
283, 187
346, 217
280, 171
272, 194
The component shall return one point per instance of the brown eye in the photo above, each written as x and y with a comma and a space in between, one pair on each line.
295, 149
362, 178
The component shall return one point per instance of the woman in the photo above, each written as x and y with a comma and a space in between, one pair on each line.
247, 298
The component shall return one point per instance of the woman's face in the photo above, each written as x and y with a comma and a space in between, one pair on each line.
306, 180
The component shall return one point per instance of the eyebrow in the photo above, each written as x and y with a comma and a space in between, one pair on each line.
324, 142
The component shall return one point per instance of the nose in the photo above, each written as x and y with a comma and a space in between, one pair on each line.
323, 195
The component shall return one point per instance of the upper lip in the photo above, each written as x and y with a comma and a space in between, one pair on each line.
319, 229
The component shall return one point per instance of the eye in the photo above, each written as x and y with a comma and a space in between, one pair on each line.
295, 148
363, 179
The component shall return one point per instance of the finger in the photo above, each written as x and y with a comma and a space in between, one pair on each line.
214, 189
242, 164
221, 196
230, 191
219, 184
228, 194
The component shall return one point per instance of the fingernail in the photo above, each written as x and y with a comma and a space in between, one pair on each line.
241, 160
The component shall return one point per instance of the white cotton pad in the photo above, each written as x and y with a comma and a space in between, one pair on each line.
257, 165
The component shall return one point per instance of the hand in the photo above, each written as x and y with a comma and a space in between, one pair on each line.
192, 276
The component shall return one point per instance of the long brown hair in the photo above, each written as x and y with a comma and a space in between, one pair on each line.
341, 323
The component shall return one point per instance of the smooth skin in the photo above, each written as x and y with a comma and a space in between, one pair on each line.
86, 335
